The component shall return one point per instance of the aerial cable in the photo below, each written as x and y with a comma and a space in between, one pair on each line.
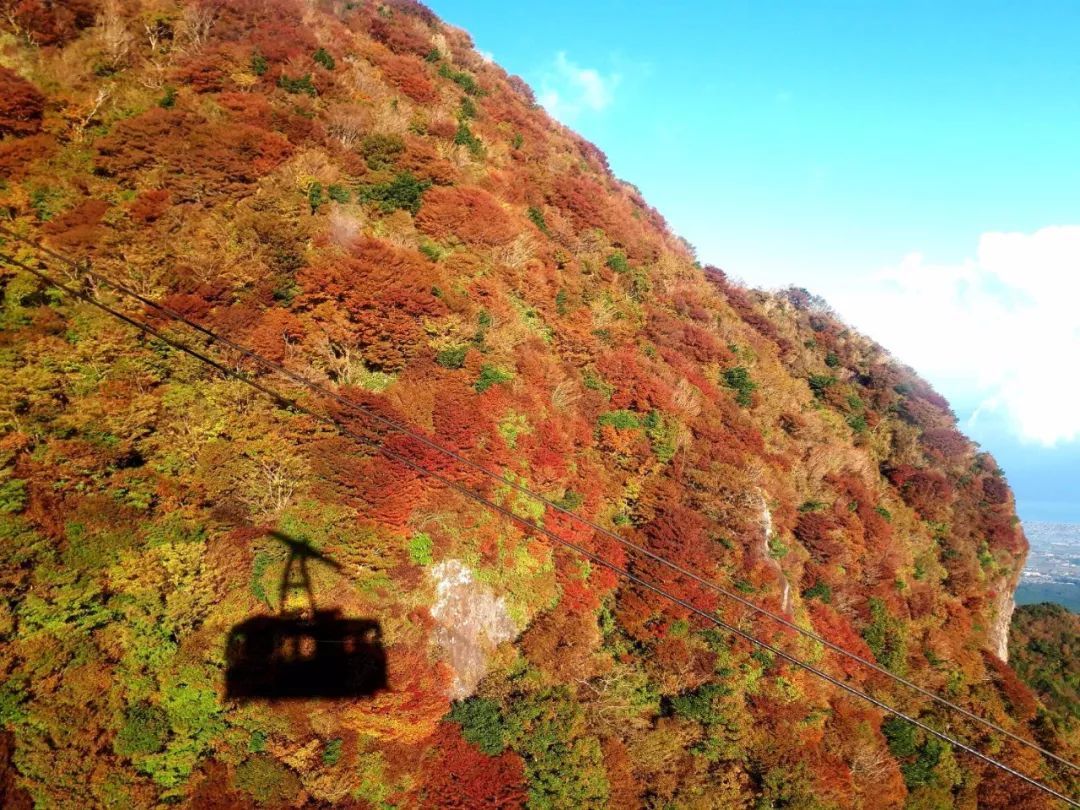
523, 490
531, 526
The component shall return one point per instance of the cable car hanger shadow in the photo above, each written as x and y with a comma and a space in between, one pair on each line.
308, 654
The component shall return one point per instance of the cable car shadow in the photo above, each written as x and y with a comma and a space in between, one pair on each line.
312, 655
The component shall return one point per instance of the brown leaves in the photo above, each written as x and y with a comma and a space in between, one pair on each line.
22, 107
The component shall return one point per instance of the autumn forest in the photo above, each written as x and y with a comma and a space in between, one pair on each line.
471, 405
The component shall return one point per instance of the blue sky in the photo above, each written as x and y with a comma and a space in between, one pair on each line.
917, 164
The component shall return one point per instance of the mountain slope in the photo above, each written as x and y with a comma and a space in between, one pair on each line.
1043, 647
351, 190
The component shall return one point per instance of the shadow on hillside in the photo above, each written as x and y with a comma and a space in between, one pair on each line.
305, 655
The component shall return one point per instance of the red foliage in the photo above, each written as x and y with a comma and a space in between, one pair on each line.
281, 40
410, 75
215, 158
150, 205
636, 387
838, 629
77, 230
215, 791
561, 641
18, 155
400, 37
21, 105
384, 291
696, 342
818, 532
461, 776
207, 71
995, 490
584, 200
677, 534
12, 796
470, 214
276, 329
242, 20
422, 159
190, 305
927, 491
1018, 694
946, 443
47, 22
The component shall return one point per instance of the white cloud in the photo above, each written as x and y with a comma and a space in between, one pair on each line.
1003, 327
567, 90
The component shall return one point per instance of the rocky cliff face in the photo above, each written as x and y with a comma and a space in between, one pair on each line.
351, 190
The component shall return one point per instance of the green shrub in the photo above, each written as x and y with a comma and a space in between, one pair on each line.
663, 435
820, 383
467, 109
315, 197
420, 547
381, 151
481, 724
620, 420
431, 250
831, 360
884, 636
536, 217
819, 590
259, 567
324, 58
464, 137
259, 65
338, 193
738, 379
404, 192
168, 101
12, 495
617, 262
907, 742
489, 376
570, 500
300, 85
145, 731
591, 380
462, 79
332, 752
453, 357
432, 56
700, 704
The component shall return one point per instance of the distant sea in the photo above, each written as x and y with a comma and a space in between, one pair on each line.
1052, 573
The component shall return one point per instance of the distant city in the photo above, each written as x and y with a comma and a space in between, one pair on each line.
1052, 573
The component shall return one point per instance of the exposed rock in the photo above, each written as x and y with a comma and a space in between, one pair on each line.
472, 622
998, 635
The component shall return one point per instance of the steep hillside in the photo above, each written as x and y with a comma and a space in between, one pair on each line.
1044, 648
349, 189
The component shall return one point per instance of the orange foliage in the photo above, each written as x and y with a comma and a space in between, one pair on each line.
21, 105
77, 230
469, 214
383, 291
410, 76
